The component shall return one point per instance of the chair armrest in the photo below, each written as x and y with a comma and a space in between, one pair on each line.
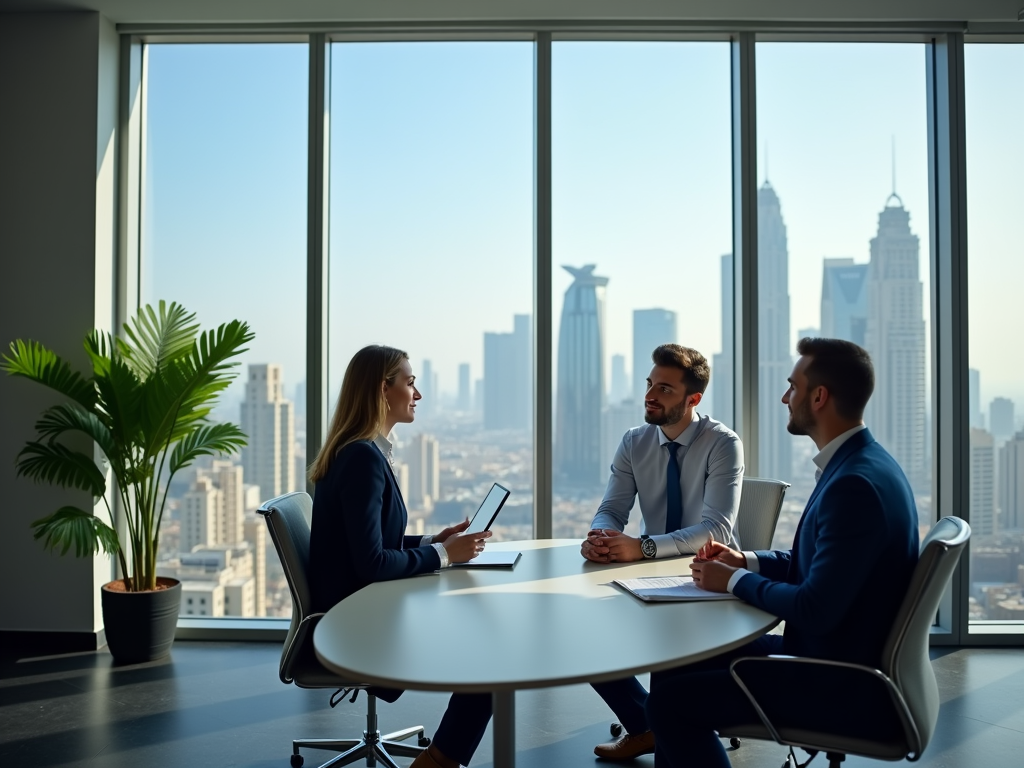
820, 682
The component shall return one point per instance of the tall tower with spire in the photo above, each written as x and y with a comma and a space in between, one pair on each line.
775, 352
580, 397
896, 340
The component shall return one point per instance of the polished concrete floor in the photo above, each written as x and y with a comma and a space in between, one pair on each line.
221, 704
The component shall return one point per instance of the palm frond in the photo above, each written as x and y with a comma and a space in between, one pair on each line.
208, 440
68, 417
32, 360
158, 338
54, 463
72, 527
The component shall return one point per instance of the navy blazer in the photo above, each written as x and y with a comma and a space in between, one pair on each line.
357, 535
839, 588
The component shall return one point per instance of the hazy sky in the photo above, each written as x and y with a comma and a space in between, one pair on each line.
432, 187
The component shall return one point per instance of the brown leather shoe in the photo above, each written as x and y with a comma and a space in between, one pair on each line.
425, 760
626, 747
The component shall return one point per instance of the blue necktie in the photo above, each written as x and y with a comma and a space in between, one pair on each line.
673, 491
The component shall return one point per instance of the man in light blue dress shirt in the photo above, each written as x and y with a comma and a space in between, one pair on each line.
687, 470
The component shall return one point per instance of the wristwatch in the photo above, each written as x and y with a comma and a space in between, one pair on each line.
648, 547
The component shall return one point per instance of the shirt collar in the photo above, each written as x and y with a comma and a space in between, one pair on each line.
385, 447
825, 454
685, 437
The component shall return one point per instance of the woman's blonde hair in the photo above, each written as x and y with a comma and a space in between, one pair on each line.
362, 407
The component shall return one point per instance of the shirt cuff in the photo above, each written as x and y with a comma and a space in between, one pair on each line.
738, 574
442, 553
665, 545
427, 540
753, 565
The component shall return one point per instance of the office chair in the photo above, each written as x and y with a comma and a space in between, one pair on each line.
903, 693
758, 514
288, 520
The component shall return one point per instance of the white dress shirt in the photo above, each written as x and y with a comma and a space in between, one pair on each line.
711, 470
821, 460
386, 447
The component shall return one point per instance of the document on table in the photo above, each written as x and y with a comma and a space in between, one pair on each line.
652, 589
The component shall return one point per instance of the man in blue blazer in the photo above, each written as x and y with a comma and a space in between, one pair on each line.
838, 589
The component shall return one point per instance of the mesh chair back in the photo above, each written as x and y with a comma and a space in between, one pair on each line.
288, 520
905, 656
760, 504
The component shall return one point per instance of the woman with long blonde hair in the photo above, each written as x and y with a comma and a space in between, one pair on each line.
359, 519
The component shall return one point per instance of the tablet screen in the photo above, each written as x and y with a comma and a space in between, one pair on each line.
489, 509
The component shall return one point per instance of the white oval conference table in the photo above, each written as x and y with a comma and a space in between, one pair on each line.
555, 619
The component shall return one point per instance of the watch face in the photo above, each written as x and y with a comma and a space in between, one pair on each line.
648, 547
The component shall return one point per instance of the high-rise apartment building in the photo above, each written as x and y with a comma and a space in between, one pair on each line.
620, 381
844, 300
268, 420
200, 515
651, 328
1001, 418
775, 350
1011, 484
722, 364
508, 376
983, 483
896, 340
580, 397
423, 458
465, 396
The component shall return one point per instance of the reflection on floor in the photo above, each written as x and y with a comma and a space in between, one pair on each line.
221, 704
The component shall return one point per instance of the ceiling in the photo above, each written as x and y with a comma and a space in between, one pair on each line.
213, 11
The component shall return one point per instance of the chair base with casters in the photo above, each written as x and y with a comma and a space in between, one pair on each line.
372, 746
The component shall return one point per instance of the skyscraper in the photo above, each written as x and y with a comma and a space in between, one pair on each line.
620, 382
651, 328
465, 402
423, 459
580, 397
895, 338
722, 363
508, 376
1001, 418
268, 420
426, 383
983, 486
1011, 483
844, 300
775, 352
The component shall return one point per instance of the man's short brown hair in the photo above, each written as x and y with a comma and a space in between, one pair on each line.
695, 368
844, 369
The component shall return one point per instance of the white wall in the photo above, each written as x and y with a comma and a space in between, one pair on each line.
58, 88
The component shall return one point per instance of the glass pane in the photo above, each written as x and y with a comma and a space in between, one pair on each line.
843, 244
432, 252
224, 229
995, 160
641, 220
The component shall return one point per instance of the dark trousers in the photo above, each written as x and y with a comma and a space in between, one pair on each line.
462, 725
627, 699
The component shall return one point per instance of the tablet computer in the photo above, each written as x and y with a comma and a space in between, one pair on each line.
488, 509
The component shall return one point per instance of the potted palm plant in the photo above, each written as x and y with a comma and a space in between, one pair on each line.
146, 407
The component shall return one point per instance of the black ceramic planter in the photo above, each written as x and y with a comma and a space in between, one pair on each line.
140, 625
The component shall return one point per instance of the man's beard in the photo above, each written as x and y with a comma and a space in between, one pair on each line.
801, 420
666, 418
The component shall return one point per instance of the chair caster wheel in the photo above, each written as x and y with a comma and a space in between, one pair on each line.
423, 741
615, 729
296, 761
735, 743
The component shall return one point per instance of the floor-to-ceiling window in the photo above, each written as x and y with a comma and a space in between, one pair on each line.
224, 234
995, 187
431, 251
842, 242
641, 232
